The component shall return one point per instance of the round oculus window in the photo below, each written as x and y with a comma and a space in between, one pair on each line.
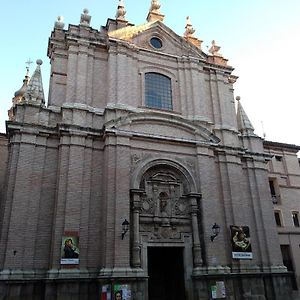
156, 42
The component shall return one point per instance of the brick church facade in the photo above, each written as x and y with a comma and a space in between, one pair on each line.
138, 155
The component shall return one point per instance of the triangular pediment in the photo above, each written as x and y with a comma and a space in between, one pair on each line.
162, 126
172, 43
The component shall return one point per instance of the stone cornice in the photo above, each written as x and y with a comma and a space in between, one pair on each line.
276, 145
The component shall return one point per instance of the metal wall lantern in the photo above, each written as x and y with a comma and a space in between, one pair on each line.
216, 230
125, 227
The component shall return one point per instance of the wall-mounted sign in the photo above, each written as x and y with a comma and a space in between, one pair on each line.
241, 243
69, 250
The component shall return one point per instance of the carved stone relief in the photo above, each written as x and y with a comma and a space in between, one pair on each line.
165, 210
181, 207
147, 206
163, 198
137, 157
170, 232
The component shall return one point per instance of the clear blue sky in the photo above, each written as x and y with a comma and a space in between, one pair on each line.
261, 39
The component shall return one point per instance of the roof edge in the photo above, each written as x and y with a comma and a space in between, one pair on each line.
281, 145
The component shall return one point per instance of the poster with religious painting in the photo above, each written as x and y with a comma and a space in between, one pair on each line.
69, 250
241, 243
122, 292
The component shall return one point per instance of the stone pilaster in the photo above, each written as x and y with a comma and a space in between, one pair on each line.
198, 261
136, 247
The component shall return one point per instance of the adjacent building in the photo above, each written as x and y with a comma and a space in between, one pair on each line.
139, 177
284, 181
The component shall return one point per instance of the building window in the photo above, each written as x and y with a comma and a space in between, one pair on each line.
156, 42
278, 220
274, 190
158, 92
295, 216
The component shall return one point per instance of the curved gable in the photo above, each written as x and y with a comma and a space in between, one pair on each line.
163, 126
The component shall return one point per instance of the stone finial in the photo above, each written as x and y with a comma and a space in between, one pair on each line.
34, 93
189, 30
121, 12
18, 96
243, 122
154, 12
85, 18
214, 49
216, 57
189, 34
59, 23
155, 6
20, 93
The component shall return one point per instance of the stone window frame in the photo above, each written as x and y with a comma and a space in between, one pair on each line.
274, 190
161, 39
279, 213
296, 221
158, 95
174, 88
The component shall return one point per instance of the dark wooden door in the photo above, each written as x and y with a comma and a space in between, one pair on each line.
166, 275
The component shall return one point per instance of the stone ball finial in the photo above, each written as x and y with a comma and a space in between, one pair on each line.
85, 18
59, 24
155, 6
237, 98
121, 12
39, 62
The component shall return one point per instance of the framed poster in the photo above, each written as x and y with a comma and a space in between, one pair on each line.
122, 292
69, 250
106, 292
218, 291
240, 242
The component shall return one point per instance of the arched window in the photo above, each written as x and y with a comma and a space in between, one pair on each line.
158, 92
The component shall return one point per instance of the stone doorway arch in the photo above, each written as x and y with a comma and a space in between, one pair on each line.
164, 210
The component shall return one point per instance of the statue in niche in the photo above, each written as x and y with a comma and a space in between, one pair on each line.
163, 205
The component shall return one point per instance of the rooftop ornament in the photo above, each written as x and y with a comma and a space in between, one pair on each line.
189, 30
154, 12
121, 12
85, 18
34, 93
155, 6
59, 24
189, 33
214, 49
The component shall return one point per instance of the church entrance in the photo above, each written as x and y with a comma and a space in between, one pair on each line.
166, 275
